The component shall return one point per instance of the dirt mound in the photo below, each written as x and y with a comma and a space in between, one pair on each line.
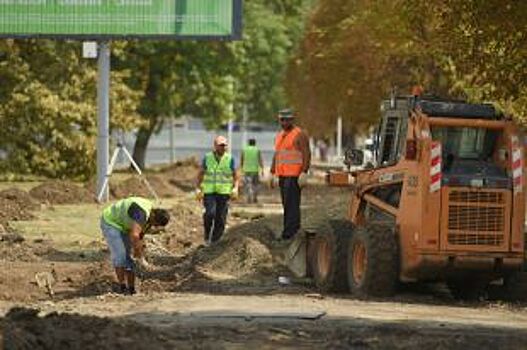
247, 257
182, 174
24, 329
134, 186
61, 192
17, 251
12, 210
184, 229
21, 197
243, 257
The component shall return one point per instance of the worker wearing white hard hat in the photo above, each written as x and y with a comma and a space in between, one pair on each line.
217, 183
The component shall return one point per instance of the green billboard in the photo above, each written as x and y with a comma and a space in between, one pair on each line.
121, 18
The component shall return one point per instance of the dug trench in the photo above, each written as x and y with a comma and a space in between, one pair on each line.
223, 296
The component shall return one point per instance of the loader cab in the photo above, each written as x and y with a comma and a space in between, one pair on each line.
391, 131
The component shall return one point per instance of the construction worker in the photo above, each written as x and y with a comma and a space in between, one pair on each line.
252, 165
124, 225
217, 183
291, 159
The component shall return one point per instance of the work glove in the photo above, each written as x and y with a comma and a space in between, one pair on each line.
302, 180
144, 264
273, 181
198, 194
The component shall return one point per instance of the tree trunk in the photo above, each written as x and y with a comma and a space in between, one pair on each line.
141, 144
146, 110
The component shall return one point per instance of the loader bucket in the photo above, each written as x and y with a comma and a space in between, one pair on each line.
297, 257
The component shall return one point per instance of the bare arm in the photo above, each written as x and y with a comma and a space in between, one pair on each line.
236, 178
135, 238
260, 160
199, 179
302, 144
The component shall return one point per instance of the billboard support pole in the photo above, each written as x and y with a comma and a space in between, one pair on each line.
103, 118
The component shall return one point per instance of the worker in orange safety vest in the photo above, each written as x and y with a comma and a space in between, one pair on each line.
291, 160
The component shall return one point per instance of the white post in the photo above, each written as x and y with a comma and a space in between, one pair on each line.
244, 126
172, 151
103, 120
231, 117
339, 137
229, 134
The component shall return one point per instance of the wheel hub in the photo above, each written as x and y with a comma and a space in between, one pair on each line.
359, 262
324, 258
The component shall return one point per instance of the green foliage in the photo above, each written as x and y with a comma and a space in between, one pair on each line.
353, 52
48, 108
48, 92
215, 80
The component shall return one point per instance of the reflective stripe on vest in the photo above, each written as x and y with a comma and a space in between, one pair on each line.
251, 161
117, 216
218, 175
288, 159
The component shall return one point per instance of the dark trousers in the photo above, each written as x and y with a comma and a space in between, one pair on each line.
290, 192
215, 217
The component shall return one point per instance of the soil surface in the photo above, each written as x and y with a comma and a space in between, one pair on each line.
61, 192
16, 205
224, 296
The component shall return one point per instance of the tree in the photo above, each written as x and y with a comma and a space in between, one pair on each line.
48, 108
205, 79
353, 53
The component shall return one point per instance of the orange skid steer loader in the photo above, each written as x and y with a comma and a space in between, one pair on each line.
444, 201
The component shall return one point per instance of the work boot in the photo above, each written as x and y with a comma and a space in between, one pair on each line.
287, 237
130, 291
119, 288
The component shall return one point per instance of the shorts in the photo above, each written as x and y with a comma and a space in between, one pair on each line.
120, 246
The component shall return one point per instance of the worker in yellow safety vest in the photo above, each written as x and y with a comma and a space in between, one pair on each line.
292, 159
124, 224
217, 183
252, 167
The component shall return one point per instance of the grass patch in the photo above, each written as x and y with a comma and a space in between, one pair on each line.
21, 185
70, 227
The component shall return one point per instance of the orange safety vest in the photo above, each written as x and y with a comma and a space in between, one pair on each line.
288, 160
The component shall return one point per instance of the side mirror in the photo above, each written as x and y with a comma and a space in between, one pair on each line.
353, 157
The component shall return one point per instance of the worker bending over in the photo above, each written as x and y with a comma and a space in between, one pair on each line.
124, 225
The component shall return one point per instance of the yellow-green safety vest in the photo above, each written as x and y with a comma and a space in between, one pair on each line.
218, 176
117, 216
251, 160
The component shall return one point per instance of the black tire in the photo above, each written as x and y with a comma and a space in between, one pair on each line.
514, 288
467, 287
373, 261
328, 258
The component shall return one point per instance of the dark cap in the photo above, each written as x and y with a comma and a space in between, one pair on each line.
286, 113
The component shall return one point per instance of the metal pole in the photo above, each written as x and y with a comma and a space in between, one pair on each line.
244, 124
231, 117
229, 134
103, 119
172, 151
339, 137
